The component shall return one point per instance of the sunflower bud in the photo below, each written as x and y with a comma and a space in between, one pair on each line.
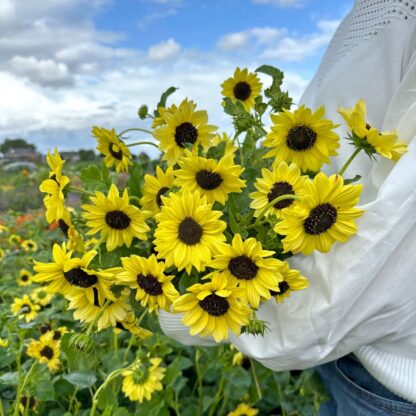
255, 327
81, 342
142, 112
243, 121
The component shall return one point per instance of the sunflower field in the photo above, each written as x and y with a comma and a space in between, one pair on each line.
203, 233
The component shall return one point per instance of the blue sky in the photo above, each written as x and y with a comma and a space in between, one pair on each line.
71, 64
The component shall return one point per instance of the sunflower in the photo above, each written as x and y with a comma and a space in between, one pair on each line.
214, 179
87, 309
244, 263
56, 334
213, 308
325, 214
25, 278
75, 241
283, 179
154, 289
14, 239
224, 138
29, 403
142, 380
29, 245
41, 297
155, 187
114, 217
244, 410
244, 86
184, 127
4, 343
189, 232
385, 144
115, 152
65, 274
55, 162
292, 280
24, 308
160, 120
46, 351
131, 323
302, 137
3, 229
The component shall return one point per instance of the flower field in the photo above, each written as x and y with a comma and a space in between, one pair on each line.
203, 233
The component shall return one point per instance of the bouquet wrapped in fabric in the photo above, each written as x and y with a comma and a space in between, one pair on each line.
206, 229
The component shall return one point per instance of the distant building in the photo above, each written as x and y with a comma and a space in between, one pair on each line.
21, 154
70, 156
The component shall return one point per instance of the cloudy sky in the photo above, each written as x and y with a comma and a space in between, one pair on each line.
66, 65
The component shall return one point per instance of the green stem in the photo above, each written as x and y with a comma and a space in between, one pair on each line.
1, 408
217, 396
256, 381
19, 374
240, 151
99, 315
71, 400
115, 345
141, 317
129, 345
199, 379
80, 190
28, 375
270, 204
135, 129
348, 162
139, 143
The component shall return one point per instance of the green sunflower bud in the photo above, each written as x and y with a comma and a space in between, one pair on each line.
143, 111
255, 326
243, 121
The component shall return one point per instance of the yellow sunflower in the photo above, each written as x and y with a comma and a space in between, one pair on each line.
14, 239
214, 179
4, 229
292, 280
67, 273
184, 127
155, 187
130, 323
325, 214
41, 297
385, 144
46, 351
302, 137
24, 308
154, 289
55, 162
244, 86
213, 308
114, 217
283, 179
25, 278
189, 232
75, 241
246, 264
29, 403
87, 309
115, 152
56, 334
141, 381
161, 119
224, 138
29, 245
4, 343
244, 410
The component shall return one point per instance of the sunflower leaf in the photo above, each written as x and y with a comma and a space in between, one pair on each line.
352, 180
163, 99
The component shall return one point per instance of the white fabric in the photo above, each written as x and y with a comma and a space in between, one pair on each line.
362, 294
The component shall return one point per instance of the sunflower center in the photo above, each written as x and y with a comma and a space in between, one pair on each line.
149, 284
30, 245
279, 189
242, 90
56, 335
24, 278
25, 308
284, 287
47, 352
185, 133
115, 151
320, 219
96, 297
45, 328
242, 267
301, 138
159, 195
208, 180
140, 375
189, 232
214, 305
64, 227
117, 220
23, 401
80, 278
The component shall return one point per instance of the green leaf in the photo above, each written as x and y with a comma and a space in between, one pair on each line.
163, 98
9, 378
44, 390
95, 179
135, 180
233, 223
107, 399
81, 380
352, 180
187, 281
275, 73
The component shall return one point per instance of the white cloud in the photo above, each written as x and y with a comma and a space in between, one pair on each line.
164, 50
282, 3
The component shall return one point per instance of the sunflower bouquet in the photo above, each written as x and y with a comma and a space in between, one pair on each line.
206, 229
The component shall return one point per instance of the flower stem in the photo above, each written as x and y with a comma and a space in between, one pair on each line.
348, 162
109, 378
91, 326
135, 129
80, 190
139, 143
256, 381
19, 374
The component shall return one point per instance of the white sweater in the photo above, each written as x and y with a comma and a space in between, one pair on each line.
362, 295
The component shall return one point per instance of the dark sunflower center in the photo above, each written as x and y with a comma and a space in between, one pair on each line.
159, 195
30, 245
284, 287
57, 334
80, 278
149, 284
24, 278
47, 352
189, 232
242, 267
185, 133
214, 305
320, 219
117, 220
279, 189
242, 90
23, 401
117, 154
45, 328
96, 297
208, 180
64, 227
25, 308
300, 138
53, 177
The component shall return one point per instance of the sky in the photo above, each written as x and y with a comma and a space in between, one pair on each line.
66, 65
